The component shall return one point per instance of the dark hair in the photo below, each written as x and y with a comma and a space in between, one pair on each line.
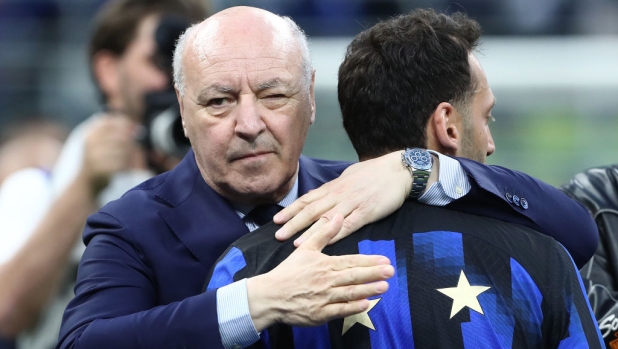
397, 72
116, 23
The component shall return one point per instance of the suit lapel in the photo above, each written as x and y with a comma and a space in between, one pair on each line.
203, 220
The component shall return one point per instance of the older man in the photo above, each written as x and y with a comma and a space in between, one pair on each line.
245, 86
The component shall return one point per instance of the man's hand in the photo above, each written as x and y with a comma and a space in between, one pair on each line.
310, 288
110, 147
364, 193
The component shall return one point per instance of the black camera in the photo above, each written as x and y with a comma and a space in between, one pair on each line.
164, 132
162, 121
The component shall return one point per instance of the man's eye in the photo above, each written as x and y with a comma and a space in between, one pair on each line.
217, 102
275, 100
490, 118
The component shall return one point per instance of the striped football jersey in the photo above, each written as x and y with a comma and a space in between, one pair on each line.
461, 281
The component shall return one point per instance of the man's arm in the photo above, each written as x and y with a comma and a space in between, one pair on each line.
117, 293
33, 273
545, 209
372, 189
115, 304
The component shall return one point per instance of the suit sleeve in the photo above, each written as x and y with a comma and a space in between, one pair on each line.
115, 304
537, 205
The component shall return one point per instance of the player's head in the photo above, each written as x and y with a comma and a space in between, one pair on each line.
413, 81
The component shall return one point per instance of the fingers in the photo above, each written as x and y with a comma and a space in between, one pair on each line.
358, 292
323, 209
111, 137
311, 231
358, 268
302, 212
364, 193
313, 288
110, 147
324, 233
297, 206
341, 310
353, 300
351, 223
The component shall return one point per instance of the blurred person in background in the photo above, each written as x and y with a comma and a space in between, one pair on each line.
102, 158
30, 143
28, 150
597, 189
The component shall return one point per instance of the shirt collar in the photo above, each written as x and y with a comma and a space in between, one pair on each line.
243, 209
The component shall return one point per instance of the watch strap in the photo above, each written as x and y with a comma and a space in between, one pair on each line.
419, 183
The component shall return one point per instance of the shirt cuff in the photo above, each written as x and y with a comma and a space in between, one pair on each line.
452, 183
235, 324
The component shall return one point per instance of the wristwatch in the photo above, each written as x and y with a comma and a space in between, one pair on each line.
419, 162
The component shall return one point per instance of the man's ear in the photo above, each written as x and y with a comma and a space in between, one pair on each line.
105, 71
181, 109
445, 127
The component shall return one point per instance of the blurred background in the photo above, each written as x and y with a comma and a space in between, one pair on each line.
552, 65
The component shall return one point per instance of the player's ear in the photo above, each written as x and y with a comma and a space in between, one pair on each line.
445, 125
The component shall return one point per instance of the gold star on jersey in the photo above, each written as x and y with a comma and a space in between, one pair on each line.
361, 318
464, 295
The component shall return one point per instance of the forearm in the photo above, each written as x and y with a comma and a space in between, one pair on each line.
32, 275
185, 324
546, 209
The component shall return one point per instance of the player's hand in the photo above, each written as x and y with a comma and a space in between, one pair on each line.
110, 147
364, 193
310, 288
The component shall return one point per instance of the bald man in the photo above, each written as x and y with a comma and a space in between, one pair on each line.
245, 87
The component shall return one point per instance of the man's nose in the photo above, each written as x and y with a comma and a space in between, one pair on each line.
249, 121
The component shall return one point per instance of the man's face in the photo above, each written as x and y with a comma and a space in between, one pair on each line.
477, 142
247, 110
137, 72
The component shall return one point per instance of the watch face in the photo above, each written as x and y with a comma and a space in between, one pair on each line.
418, 158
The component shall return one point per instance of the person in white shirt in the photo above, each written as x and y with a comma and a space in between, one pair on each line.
100, 160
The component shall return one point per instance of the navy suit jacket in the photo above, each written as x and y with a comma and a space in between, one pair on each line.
140, 280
